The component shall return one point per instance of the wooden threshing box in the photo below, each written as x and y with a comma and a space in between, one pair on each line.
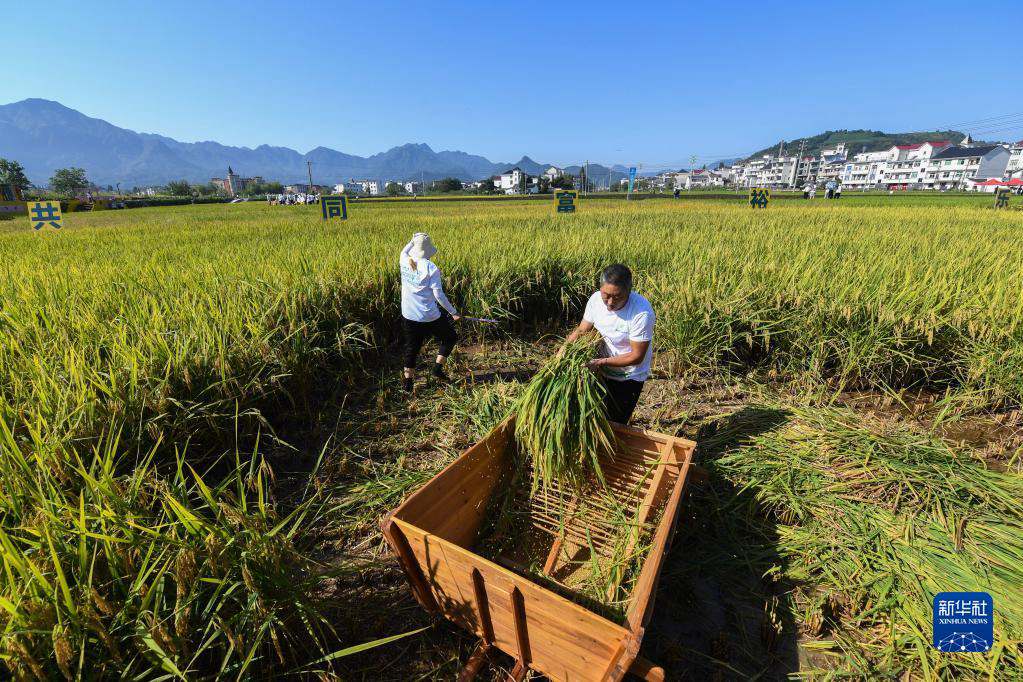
434, 530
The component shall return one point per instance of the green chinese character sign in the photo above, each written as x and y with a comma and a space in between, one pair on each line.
334, 207
759, 197
565, 200
1002, 197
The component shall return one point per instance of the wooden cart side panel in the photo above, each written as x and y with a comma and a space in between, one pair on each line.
623, 430
566, 641
452, 504
644, 592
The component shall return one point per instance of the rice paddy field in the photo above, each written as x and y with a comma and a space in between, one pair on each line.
200, 423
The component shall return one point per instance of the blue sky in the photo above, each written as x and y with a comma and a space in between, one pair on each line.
650, 83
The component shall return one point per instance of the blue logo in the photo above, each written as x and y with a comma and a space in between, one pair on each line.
964, 621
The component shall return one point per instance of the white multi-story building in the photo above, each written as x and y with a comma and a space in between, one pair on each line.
412, 187
698, 178
664, 180
867, 169
353, 186
754, 173
706, 178
908, 169
511, 181
829, 168
1015, 159
953, 166
553, 173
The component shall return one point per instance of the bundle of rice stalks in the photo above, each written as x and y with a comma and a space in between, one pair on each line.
561, 423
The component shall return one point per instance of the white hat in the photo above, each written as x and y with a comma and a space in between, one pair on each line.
422, 246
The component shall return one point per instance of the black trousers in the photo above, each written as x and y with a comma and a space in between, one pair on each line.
621, 398
442, 329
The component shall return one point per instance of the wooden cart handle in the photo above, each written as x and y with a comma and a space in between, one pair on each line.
399, 543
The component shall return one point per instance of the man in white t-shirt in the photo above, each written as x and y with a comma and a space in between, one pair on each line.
625, 321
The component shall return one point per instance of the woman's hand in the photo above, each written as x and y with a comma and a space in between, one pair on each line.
456, 318
596, 363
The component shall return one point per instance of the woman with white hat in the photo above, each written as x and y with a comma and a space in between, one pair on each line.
422, 289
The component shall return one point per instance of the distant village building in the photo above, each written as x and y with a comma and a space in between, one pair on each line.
413, 187
935, 164
909, 168
693, 179
300, 188
952, 167
357, 187
866, 170
553, 173
1015, 164
233, 184
513, 181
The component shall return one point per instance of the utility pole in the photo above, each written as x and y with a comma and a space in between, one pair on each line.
586, 175
309, 167
799, 161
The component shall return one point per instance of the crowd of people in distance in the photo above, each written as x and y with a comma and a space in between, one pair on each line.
832, 190
292, 199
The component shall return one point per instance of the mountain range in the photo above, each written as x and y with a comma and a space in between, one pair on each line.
44, 135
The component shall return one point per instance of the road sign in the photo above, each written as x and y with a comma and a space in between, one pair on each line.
632, 177
43, 213
565, 200
759, 197
1002, 197
334, 207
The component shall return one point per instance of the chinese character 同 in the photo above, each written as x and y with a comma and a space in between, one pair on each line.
334, 207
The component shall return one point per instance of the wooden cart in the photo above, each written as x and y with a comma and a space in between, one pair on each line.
433, 531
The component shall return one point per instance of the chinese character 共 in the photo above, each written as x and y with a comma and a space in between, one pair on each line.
42, 214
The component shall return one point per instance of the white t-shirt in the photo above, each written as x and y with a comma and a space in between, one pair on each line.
634, 322
421, 290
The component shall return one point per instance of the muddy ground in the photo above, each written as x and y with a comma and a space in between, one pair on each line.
717, 619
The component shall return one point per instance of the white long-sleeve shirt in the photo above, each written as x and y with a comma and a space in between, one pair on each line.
421, 289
